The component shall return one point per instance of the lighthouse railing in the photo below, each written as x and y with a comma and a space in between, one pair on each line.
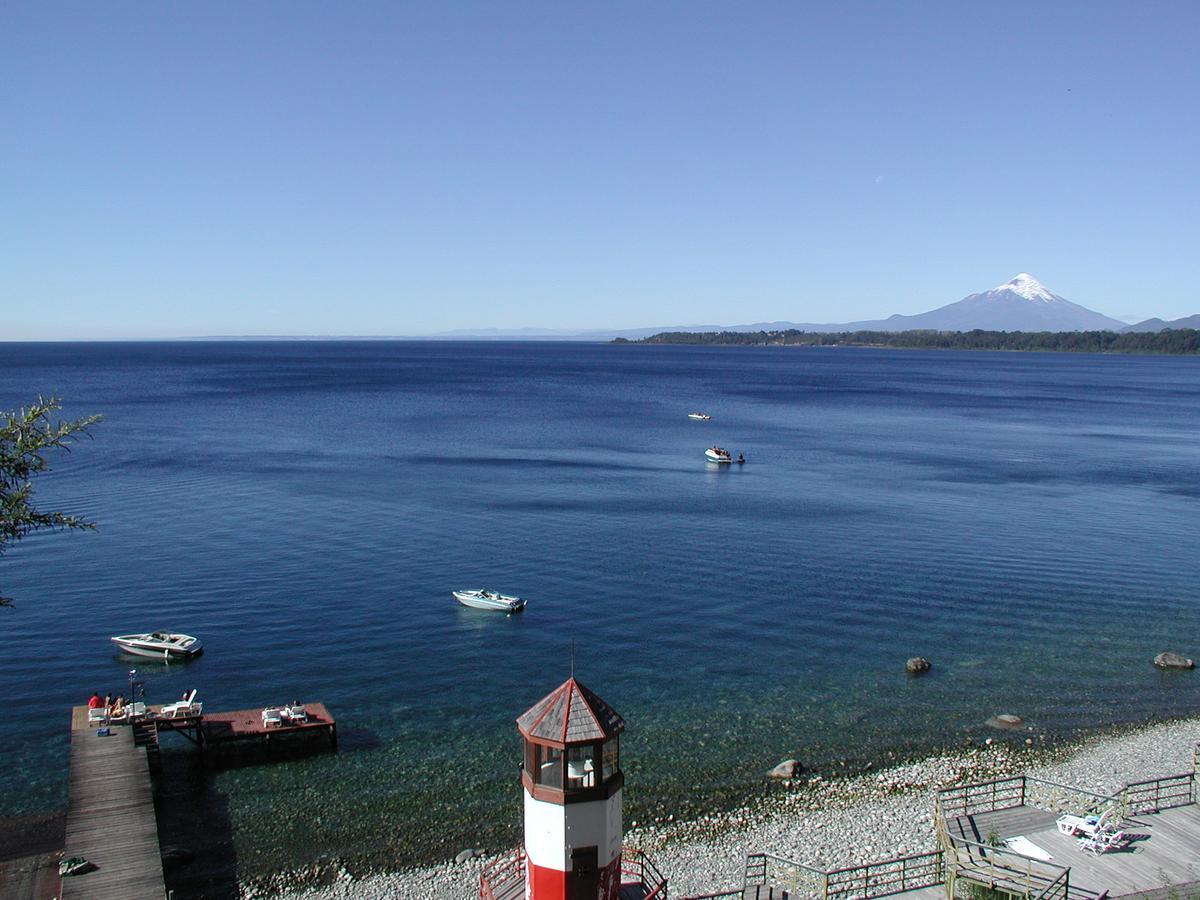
638, 868
504, 879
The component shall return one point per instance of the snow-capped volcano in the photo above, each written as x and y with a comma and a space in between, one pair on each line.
1022, 304
1028, 287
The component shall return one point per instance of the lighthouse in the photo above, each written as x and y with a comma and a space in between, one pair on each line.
571, 778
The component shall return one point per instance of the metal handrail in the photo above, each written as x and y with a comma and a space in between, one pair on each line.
1160, 793
636, 863
504, 879
1050, 873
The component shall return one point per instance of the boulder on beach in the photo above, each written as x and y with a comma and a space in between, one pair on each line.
789, 768
1006, 720
917, 665
1169, 660
465, 856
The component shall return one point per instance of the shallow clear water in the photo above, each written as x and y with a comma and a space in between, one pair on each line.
1028, 521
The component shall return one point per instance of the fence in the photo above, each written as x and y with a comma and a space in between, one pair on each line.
637, 867
1159, 794
505, 878
1005, 870
875, 879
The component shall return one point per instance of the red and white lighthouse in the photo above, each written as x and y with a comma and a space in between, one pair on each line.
572, 783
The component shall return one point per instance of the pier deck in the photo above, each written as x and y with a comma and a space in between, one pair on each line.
110, 817
1163, 855
246, 724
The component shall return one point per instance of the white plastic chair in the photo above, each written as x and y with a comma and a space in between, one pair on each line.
272, 716
181, 707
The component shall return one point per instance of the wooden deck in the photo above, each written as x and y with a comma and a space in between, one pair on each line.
247, 723
110, 817
1164, 855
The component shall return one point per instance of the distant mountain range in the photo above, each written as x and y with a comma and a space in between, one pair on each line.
1159, 324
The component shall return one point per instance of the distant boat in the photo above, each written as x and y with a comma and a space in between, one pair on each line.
488, 599
699, 416
717, 455
161, 644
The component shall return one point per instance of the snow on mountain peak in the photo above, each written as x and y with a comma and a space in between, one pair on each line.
1025, 285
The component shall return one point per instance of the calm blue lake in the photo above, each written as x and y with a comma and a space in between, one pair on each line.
1031, 522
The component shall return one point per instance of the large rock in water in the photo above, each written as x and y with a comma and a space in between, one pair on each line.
1169, 660
1006, 720
789, 768
917, 665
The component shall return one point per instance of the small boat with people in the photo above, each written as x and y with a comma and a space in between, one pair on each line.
717, 455
163, 644
485, 598
699, 416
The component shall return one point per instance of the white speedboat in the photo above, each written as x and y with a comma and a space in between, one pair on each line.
161, 644
699, 416
487, 599
717, 455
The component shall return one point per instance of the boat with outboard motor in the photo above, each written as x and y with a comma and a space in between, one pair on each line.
485, 598
699, 416
717, 455
162, 644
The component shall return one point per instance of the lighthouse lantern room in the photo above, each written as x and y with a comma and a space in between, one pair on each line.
572, 785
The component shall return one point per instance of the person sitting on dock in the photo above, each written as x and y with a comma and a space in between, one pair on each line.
94, 702
118, 707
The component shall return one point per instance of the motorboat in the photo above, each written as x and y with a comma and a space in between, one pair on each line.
489, 599
161, 644
699, 416
717, 455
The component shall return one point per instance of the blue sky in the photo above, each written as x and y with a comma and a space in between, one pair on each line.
172, 169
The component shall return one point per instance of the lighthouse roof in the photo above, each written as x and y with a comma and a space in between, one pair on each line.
570, 714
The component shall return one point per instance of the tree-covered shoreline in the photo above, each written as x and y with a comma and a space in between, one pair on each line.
1178, 341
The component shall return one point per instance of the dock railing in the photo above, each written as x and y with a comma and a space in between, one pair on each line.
892, 876
505, 878
776, 871
638, 868
1018, 790
1159, 793
1005, 870
861, 882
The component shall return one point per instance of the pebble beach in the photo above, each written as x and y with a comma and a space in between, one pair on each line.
823, 823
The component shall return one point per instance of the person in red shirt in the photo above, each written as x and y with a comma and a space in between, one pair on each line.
95, 702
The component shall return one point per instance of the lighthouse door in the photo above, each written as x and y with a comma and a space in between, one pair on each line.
585, 877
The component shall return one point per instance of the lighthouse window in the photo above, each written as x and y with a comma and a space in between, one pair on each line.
548, 766
612, 758
581, 766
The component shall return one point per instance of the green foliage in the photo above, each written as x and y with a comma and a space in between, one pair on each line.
1168, 341
25, 438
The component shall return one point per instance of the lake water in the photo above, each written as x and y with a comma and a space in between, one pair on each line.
1031, 522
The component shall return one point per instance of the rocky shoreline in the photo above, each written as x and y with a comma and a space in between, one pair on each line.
820, 822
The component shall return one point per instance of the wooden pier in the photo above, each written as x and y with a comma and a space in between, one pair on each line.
110, 813
110, 819
240, 729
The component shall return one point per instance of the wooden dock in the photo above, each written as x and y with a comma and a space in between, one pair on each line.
110, 813
246, 725
1163, 853
110, 817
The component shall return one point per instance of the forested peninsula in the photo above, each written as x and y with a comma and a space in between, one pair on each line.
1176, 341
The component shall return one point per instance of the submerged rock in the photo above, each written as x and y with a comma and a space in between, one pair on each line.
789, 768
173, 856
1006, 720
917, 665
1169, 660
